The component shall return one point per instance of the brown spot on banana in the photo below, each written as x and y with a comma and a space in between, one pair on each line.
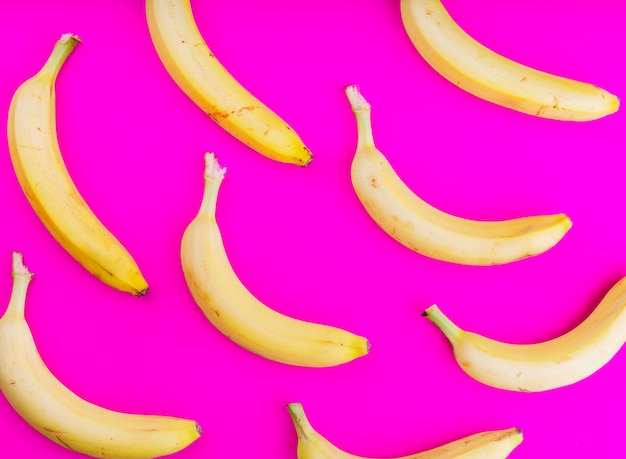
227, 113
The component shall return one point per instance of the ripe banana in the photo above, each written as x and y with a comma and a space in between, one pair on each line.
62, 416
547, 365
496, 444
480, 71
429, 231
233, 310
47, 184
204, 79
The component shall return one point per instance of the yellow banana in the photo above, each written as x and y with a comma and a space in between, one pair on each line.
536, 367
429, 231
236, 312
496, 444
47, 184
478, 70
62, 416
204, 79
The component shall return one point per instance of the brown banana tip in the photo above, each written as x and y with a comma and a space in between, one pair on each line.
142, 292
309, 160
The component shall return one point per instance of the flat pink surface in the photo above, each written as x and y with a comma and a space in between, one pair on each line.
299, 238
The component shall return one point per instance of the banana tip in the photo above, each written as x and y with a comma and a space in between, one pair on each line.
356, 99
212, 168
309, 160
66, 37
519, 436
142, 292
18, 266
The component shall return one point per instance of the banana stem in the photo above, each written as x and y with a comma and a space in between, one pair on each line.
21, 278
300, 421
363, 113
62, 49
448, 328
213, 176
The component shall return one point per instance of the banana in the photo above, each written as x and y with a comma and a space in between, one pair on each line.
197, 71
496, 444
551, 364
478, 70
47, 184
236, 312
61, 415
429, 231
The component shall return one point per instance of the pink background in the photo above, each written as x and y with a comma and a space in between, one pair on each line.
299, 238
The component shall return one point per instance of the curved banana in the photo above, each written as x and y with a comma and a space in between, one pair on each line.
551, 364
236, 312
204, 79
480, 71
59, 414
496, 444
45, 180
429, 231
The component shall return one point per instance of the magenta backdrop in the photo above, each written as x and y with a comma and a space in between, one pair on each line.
299, 238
